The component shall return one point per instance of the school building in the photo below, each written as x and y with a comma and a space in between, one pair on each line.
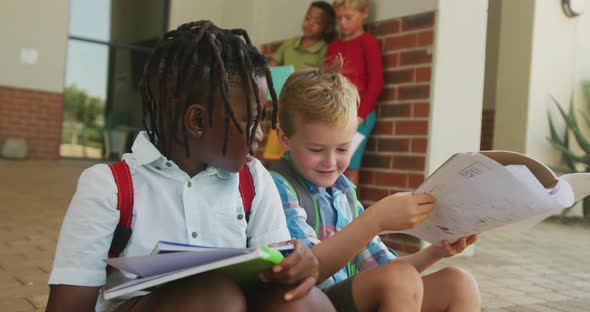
460, 75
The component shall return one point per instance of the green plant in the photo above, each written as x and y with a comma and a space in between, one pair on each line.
574, 161
81, 108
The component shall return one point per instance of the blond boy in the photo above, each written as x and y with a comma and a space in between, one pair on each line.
318, 118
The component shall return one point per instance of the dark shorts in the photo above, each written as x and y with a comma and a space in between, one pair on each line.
341, 295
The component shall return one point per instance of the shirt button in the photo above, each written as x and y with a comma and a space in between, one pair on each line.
158, 167
194, 234
189, 184
240, 216
168, 164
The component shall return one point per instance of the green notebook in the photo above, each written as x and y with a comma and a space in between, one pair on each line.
241, 264
245, 273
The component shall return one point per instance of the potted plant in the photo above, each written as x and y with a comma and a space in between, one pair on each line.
575, 161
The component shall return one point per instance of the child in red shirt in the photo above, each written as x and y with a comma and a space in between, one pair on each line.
362, 66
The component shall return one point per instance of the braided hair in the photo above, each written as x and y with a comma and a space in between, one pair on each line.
191, 64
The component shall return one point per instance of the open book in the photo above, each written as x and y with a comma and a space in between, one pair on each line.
476, 192
173, 261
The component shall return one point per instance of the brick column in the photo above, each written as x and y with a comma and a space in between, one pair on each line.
395, 159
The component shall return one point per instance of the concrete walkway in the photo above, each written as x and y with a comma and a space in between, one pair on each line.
545, 269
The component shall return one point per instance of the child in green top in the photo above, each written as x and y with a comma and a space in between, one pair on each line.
304, 52
309, 50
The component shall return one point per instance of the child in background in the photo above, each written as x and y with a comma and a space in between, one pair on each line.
308, 50
303, 52
362, 66
317, 123
204, 91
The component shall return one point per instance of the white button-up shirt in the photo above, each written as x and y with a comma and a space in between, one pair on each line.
169, 205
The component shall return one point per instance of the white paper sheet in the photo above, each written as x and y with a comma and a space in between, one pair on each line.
145, 266
475, 193
357, 139
580, 183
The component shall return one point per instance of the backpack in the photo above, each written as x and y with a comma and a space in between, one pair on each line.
122, 176
284, 168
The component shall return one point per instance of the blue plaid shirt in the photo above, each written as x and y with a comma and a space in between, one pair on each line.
334, 215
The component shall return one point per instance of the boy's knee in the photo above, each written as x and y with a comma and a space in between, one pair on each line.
214, 291
462, 287
212, 282
398, 276
314, 300
273, 300
460, 279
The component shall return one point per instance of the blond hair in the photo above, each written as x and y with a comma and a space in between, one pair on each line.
357, 4
318, 95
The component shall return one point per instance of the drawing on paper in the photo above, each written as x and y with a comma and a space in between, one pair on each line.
473, 170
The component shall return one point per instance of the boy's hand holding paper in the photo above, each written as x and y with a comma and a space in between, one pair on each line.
401, 211
405, 210
451, 249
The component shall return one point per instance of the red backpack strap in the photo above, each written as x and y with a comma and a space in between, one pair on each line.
246, 186
122, 175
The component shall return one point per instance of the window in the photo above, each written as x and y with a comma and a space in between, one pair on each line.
108, 44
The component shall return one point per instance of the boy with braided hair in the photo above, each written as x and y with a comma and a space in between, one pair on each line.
204, 93
317, 122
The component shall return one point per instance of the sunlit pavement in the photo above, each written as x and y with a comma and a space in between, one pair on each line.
545, 269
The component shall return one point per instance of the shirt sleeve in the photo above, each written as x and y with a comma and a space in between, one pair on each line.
297, 218
87, 231
295, 214
267, 222
279, 55
375, 76
375, 253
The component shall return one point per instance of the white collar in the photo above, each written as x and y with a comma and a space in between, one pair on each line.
146, 153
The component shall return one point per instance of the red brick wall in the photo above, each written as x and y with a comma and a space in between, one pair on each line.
34, 116
395, 157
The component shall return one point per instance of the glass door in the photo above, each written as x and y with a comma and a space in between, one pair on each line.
108, 44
